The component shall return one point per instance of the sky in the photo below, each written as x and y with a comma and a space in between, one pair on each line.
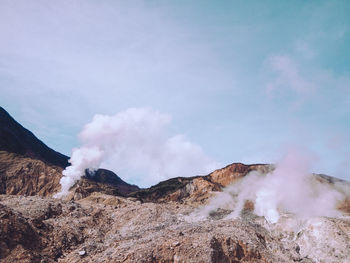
244, 80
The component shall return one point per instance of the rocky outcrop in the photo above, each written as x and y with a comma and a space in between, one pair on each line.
26, 234
18, 239
106, 177
198, 188
21, 175
26, 176
102, 181
233, 172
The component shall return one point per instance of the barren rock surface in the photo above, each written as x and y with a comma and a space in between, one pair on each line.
198, 188
26, 176
95, 223
104, 219
20, 175
105, 228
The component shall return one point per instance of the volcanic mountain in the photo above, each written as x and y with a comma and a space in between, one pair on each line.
104, 219
29, 167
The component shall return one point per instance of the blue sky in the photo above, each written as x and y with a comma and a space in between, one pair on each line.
243, 79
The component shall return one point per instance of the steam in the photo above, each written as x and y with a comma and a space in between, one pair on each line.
289, 188
136, 145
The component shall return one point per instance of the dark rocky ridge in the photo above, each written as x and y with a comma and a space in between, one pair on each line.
102, 181
104, 176
29, 167
14, 138
198, 188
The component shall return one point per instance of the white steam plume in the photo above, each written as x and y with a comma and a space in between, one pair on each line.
289, 188
135, 144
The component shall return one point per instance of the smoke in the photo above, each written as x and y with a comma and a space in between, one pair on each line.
289, 188
135, 143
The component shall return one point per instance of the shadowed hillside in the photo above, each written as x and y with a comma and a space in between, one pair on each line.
14, 138
29, 167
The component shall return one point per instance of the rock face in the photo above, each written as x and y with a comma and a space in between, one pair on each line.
21, 175
17, 236
106, 177
102, 181
235, 171
26, 176
198, 188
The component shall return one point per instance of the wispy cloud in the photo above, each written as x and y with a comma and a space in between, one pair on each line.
288, 76
304, 49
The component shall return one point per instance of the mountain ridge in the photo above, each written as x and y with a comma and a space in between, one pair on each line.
15, 138
104, 219
29, 167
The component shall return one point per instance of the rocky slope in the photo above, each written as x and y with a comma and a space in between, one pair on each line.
26, 176
197, 188
104, 219
29, 167
105, 228
21, 175
164, 225
14, 138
